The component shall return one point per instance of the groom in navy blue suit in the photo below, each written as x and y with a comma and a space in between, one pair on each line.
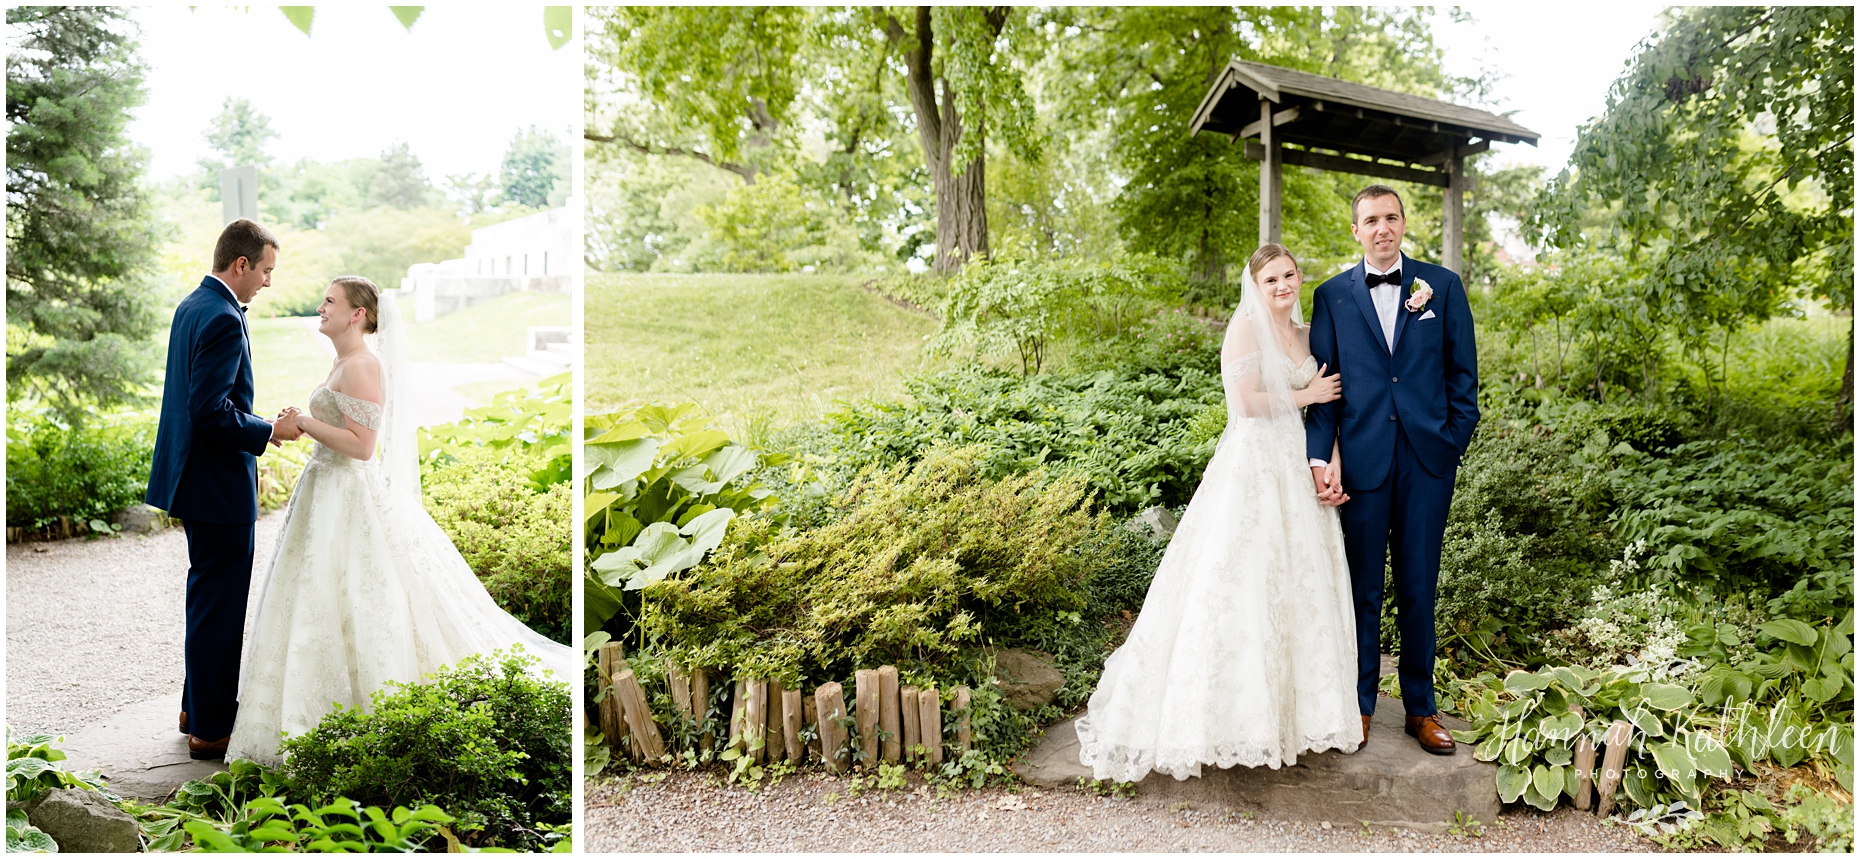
205, 472
1400, 332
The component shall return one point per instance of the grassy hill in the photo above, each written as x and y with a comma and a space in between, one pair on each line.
759, 352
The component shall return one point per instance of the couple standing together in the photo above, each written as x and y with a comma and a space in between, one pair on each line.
363, 586
1259, 637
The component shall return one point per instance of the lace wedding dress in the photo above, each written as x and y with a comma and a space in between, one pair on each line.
363, 588
1245, 650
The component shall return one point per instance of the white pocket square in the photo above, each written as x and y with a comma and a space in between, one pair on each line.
1427, 315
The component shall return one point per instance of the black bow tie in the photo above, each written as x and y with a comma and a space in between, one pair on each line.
241, 308
1374, 280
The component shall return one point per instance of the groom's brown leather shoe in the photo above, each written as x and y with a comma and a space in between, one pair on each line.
183, 721
202, 750
1432, 737
1365, 741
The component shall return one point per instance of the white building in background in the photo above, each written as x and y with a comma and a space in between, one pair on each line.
534, 253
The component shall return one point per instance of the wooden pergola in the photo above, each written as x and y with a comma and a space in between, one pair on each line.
1350, 128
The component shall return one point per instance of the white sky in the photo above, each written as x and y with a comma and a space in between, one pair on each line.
1556, 63
464, 80
456, 87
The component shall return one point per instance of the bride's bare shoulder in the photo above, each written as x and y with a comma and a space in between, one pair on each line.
359, 377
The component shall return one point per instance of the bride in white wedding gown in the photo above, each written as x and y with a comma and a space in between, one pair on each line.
363, 587
1245, 650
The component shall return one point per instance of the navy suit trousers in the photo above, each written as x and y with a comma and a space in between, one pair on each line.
219, 578
1403, 520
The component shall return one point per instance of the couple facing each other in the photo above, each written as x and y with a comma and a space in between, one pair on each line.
1258, 639
363, 586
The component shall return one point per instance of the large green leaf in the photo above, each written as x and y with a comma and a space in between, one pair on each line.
299, 16
1792, 631
1666, 696
611, 464
1674, 761
1512, 780
1548, 780
406, 15
558, 25
1521, 682
1710, 756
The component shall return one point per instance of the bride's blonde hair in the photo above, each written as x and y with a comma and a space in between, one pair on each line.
1267, 253
362, 293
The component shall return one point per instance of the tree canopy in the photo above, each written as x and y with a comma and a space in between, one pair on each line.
78, 227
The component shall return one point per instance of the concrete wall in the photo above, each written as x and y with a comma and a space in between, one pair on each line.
535, 253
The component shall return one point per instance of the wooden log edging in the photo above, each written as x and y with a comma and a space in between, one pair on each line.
770, 722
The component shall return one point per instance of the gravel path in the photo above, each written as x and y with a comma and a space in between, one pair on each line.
96, 624
691, 812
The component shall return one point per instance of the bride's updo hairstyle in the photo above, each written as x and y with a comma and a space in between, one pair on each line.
1267, 253
363, 293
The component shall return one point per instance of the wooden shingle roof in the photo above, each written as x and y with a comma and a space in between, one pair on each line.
1321, 112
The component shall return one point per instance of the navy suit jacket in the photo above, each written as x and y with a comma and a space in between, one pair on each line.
208, 442
1429, 381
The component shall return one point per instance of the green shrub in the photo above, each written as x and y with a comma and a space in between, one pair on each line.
483, 739
84, 473
1520, 553
1739, 513
1169, 341
1135, 438
922, 561
515, 538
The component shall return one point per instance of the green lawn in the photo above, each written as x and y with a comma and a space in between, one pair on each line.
289, 358
486, 333
759, 352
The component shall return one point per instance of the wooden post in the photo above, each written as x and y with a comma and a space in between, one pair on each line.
791, 724
771, 735
912, 720
810, 714
893, 745
865, 708
1617, 742
756, 719
830, 704
645, 733
1271, 222
613, 724
680, 687
964, 739
700, 704
739, 696
1585, 771
930, 722
1453, 213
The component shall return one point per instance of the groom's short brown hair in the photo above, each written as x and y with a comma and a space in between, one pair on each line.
1372, 192
241, 238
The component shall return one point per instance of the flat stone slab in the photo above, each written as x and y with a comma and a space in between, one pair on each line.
140, 751
1390, 782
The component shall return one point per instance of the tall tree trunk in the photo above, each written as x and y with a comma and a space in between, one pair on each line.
961, 198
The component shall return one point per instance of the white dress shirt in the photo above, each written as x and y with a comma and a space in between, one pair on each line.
1387, 298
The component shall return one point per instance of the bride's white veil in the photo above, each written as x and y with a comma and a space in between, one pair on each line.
399, 436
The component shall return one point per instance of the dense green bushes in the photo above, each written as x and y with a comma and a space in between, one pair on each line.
921, 562
483, 739
84, 473
515, 538
1132, 436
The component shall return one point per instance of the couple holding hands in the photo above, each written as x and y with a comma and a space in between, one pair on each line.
1259, 637
363, 587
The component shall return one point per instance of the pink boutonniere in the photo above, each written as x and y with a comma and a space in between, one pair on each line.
1419, 295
